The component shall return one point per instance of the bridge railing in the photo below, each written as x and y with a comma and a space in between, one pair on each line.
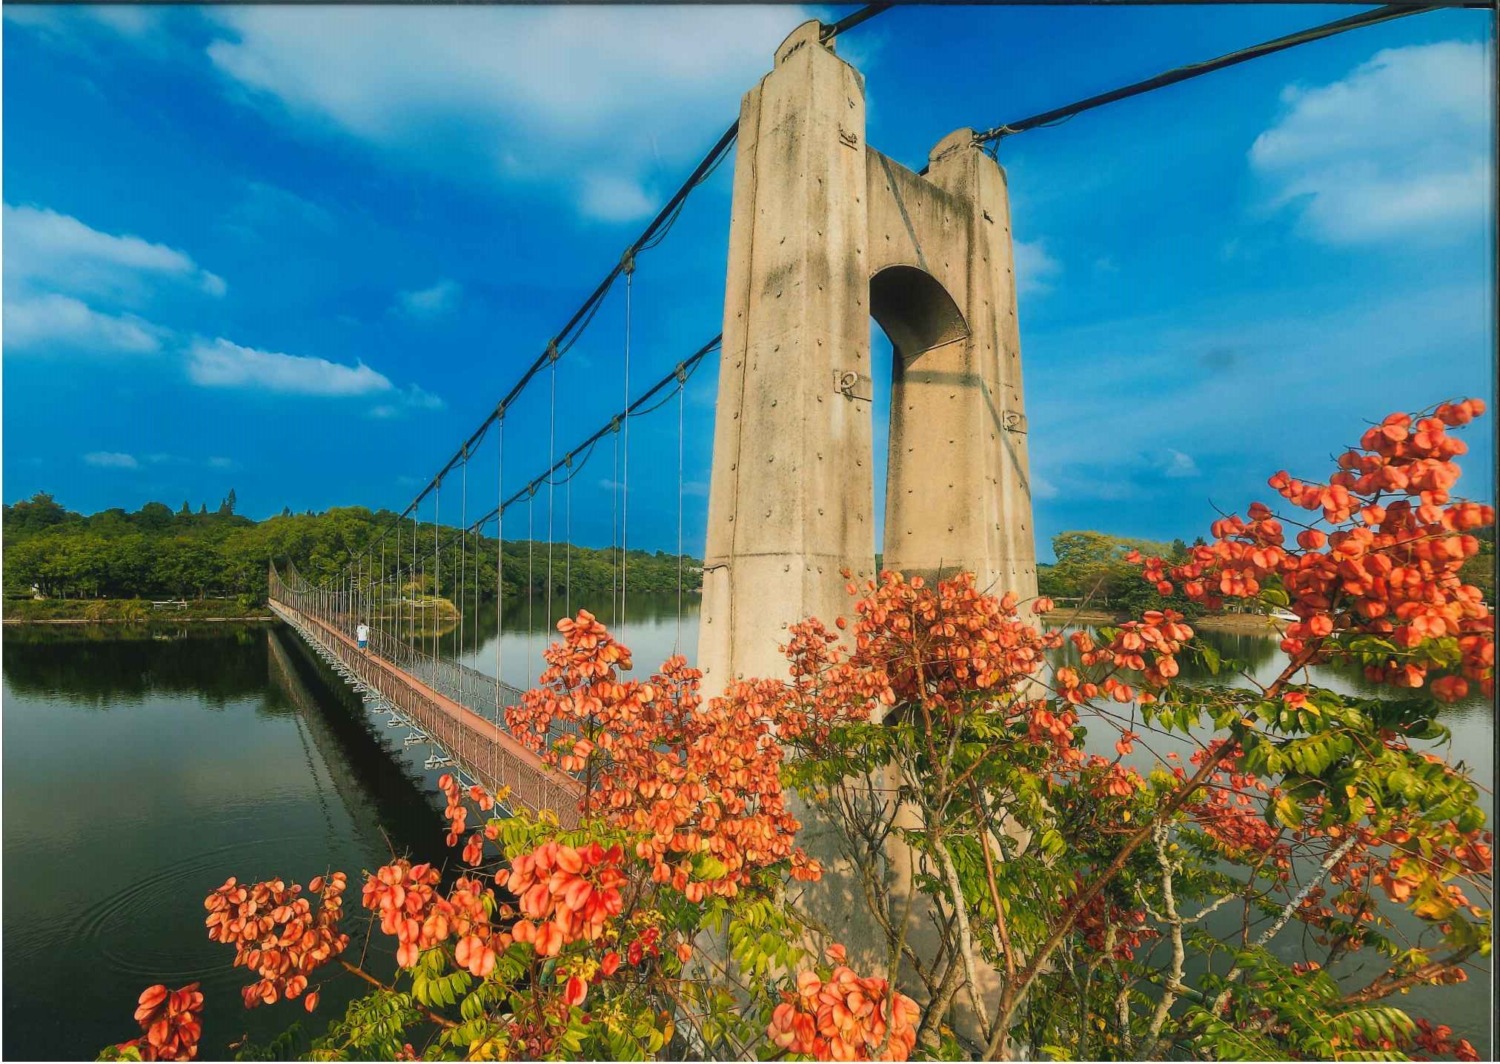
467, 686
481, 747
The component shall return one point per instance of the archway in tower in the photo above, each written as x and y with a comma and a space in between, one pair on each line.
911, 313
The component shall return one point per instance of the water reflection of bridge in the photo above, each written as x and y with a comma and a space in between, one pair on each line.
285, 678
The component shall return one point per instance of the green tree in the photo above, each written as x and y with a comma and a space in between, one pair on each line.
155, 516
39, 512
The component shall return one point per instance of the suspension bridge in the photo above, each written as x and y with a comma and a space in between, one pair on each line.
826, 233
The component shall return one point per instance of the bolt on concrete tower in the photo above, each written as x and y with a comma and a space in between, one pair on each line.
827, 233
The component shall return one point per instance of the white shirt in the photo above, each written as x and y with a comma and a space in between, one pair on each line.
362, 632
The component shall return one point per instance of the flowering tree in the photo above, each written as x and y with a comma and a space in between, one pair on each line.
581, 944
1073, 892
1041, 890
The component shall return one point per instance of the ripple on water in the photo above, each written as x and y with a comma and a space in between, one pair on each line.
123, 930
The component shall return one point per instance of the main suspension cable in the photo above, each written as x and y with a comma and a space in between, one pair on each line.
1193, 70
650, 237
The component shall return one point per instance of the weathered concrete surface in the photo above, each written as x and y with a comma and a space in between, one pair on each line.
825, 234
792, 499
958, 492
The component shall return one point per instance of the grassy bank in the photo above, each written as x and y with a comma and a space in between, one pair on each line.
127, 611
1252, 623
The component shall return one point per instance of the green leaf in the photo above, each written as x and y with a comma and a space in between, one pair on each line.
1287, 812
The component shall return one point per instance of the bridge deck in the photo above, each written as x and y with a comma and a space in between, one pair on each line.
483, 748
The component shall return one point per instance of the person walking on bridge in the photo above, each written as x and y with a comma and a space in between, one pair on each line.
362, 635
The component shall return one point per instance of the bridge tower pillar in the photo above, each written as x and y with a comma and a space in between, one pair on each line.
791, 498
827, 233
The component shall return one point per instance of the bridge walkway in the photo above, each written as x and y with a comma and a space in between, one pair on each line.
480, 746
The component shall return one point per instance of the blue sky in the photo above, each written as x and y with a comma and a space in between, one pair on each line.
300, 252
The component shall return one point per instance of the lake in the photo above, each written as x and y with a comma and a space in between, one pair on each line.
143, 768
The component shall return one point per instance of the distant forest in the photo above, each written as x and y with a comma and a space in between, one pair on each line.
157, 553
1092, 566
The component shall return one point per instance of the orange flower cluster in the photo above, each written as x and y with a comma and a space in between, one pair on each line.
410, 908
691, 779
845, 1017
1421, 864
1107, 779
1148, 647
1439, 1041
1389, 567
170, 1020
1100, 917
938, 649
1227, 811
567, 894
458, 814
277, 935
940, 652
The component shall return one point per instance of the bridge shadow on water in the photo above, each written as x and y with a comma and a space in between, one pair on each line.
383, 787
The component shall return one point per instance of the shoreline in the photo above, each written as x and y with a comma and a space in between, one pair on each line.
257, 618
1242, 623
1246, 623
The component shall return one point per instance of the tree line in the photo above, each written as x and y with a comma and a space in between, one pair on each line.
1091, 567
156, 552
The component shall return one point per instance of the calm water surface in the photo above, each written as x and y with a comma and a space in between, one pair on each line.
141, 769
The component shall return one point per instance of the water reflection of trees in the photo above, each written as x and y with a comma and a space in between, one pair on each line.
1249, 652
520, 615
106, 668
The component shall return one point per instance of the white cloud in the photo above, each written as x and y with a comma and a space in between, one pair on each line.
1398, 148
68, 285
614, 198
430, 302
1035, 268
1109, 401
266, 211
111, 460
413, 398
222, 364
128, 21
420, 399
1177, 465
45, 249
50, 320
536, 94
125, 19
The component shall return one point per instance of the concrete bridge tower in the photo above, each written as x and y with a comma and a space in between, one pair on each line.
826, 234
